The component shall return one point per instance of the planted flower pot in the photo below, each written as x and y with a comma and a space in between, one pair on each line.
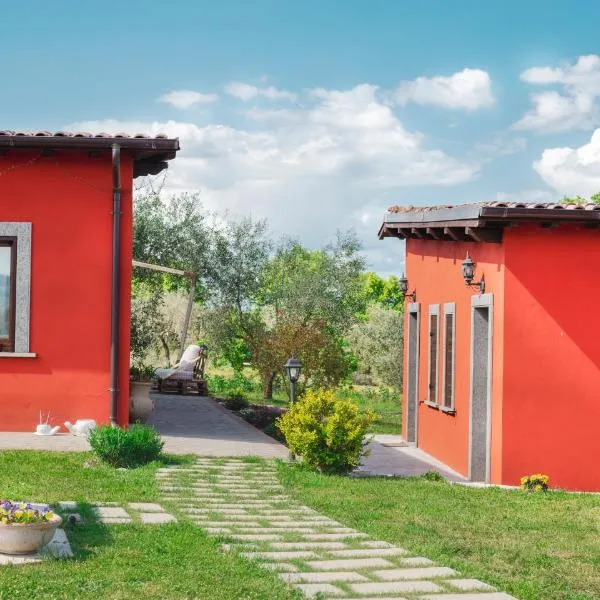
25, 528
140, 403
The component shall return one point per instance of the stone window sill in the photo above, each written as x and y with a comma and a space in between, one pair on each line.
432, 405
448, 411
18, 355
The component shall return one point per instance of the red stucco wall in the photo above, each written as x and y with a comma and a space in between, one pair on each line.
68, 200
435, 270
552, 356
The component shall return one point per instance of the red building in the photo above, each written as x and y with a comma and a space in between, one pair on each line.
502, 376
65, 273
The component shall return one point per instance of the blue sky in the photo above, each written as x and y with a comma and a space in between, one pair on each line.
319, 114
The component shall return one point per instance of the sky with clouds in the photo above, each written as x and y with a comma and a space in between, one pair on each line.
319, 115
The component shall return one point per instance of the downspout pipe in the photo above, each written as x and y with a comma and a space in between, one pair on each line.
116, 284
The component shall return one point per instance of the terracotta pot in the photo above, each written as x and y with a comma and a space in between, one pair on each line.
140, 403
26, 538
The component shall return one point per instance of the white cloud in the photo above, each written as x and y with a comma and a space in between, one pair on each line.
572, 171
245, 92
468, 89
336, 164
575, 106
502, 145
187, 98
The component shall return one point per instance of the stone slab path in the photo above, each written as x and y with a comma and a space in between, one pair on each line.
111, 513
243, 503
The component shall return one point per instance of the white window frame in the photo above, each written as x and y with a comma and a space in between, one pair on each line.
449, 309
22, 233
434, 309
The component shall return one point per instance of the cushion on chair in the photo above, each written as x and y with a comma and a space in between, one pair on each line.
182, 375
163, 373
189, 357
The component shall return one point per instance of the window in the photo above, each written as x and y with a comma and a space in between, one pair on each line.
448, 378
15, 274
7, 294
434, 342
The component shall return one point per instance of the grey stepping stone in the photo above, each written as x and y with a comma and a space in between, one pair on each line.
68, 505
146, 506
341, 576
309, 545
424, 573
333, 536
470, 585
350, 563
114, 520
217, 531
480, 596
255, 537
19, 559
402, 587
112, 512
249, 520
291, 524
232, 524
279, 556
374, 552
238, 512
59, 545
155, 518
375, 544
312, 589
284, 567
416, 561
279, 530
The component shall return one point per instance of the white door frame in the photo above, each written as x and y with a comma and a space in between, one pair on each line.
413, 308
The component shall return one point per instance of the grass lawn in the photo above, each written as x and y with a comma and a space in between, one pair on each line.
533, 546
173, 561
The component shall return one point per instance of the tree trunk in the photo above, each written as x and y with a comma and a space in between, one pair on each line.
268, 386
166, 349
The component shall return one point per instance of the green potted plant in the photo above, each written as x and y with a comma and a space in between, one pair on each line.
25, 528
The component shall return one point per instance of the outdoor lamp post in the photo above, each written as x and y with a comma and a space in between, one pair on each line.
293, 367
404, 289
468, 272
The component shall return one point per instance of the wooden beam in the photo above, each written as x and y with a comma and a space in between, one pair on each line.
433, 233
453, 234
418, 233
404, 232
549, 224
484, 235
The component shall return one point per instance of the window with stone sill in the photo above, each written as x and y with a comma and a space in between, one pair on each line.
15, 269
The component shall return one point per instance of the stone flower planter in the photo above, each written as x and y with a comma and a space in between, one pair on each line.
140, 403
26, 538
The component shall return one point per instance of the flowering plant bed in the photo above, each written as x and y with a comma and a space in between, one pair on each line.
24, 527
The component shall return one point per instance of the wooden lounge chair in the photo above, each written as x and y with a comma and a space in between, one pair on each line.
187, 373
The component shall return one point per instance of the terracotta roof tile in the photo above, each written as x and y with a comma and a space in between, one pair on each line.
80, 134
498, 204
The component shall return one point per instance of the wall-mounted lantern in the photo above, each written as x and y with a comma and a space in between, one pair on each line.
404, 289
468, 272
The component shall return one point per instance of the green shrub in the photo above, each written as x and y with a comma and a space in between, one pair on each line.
236, 401
138, 445
433, 476
326, 432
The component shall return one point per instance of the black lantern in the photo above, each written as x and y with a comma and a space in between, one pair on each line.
293, 367
404, 289
468, 272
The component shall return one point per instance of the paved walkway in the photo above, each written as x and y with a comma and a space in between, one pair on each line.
199, 425
187, 424
389, 455
242, 502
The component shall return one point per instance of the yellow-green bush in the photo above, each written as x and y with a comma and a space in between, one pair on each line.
327, 433
535, 483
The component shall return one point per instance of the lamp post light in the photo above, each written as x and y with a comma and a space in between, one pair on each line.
404, 289
293, 367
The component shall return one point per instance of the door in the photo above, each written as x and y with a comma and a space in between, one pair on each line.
412, 384
481, 371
